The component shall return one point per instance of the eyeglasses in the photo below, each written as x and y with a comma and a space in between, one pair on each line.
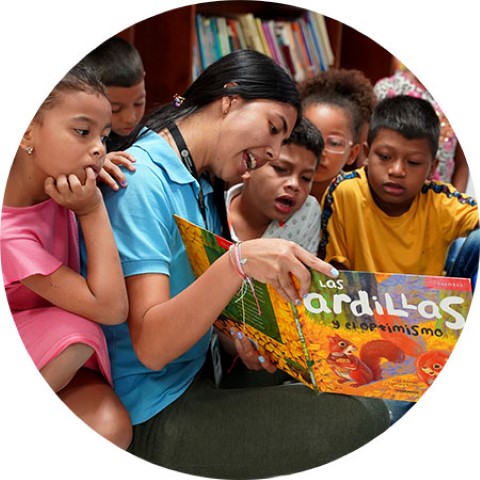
336, 145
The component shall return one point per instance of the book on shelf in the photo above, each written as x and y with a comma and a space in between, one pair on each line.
367, 334
320, 27
223, 37
315, 40
286, 41
300, 45
250, 32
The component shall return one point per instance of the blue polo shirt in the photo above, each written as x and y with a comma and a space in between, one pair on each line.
149, 242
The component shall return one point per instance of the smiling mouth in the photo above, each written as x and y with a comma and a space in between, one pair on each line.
251, 161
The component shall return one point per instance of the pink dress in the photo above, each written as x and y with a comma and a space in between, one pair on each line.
38, 240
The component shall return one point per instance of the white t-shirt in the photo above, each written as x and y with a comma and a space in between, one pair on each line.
303, 227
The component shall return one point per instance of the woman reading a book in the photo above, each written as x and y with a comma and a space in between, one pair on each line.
233, 118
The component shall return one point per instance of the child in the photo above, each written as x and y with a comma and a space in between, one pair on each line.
120, 67
56, 310
339, 102
121, 70
389, 216
452, 165
274, 201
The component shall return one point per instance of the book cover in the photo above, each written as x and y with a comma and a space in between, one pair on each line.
319, 21
223, 39
316, 39
301, 49
284, 33
215, 40
310, 46
271, 42
203, 41
250, 31
369, 334
237, 32
261, 35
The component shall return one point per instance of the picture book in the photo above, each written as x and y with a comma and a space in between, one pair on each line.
379, 335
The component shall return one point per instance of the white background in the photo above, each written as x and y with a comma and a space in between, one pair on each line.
41, 40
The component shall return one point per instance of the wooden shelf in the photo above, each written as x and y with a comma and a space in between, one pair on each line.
165, 43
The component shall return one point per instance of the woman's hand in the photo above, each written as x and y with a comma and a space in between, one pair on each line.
249, 354
111, 174
278, 262
68, 191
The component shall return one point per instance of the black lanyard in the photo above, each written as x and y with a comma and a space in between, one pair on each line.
189, 165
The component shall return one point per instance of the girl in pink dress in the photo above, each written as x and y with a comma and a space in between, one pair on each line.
51, 186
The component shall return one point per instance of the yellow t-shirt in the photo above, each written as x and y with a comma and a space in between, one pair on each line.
358, 234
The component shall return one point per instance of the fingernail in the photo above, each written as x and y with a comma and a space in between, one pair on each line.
297, 302
240, 335
334, 272
232, 332
123, 183
261, 359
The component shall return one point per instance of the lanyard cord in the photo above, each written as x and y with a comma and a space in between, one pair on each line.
189, 165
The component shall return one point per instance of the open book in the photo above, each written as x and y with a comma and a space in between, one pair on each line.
369, 334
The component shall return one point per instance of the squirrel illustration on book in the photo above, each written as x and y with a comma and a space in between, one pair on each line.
430, 364
364, 368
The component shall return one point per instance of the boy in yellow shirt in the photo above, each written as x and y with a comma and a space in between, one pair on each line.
389, 216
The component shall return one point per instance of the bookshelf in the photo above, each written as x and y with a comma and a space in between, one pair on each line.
166, 43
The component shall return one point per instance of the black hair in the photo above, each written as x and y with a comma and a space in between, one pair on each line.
117, 62
306, 134
247, 73
411, 117
80, 78
347, 89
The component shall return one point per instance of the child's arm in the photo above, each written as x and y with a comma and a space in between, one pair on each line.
111, 174
101, 296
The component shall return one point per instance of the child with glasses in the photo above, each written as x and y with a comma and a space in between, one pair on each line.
339, 103
389, 216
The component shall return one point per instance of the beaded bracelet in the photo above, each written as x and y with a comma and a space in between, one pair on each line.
238, 262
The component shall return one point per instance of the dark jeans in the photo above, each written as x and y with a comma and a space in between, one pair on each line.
465, 261
256, 432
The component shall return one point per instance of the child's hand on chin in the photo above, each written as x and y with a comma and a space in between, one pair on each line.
68, 191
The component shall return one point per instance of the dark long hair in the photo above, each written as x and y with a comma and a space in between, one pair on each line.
247, 73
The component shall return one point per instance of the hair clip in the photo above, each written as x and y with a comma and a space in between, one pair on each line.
177, 100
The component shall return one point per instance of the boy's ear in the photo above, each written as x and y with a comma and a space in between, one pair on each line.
432, 169
366, 150
354, 151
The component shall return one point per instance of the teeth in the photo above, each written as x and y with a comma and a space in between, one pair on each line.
252, 162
